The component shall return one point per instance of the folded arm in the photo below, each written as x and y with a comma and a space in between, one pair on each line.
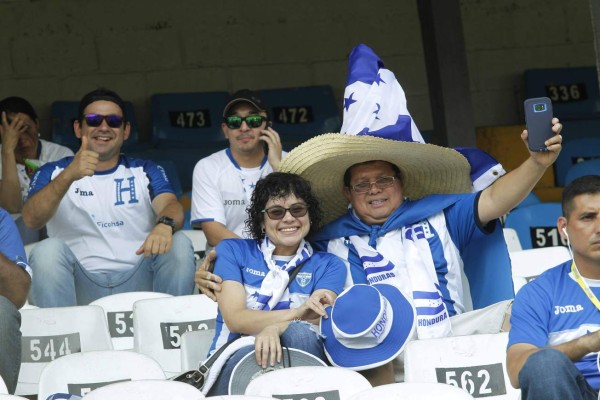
575, 349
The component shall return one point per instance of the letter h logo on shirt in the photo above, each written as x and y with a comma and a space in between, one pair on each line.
120, 189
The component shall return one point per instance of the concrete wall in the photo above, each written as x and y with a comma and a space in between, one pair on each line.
60, 49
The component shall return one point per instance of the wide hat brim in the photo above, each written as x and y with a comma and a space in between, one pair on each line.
402, 329
247, 369
426, 168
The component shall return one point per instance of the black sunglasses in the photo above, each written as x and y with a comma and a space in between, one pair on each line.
253, 121
95, 120
277, 212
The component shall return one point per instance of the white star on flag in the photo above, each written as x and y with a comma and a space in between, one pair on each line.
374, 102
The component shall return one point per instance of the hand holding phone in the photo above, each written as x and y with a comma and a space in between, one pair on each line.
538, 118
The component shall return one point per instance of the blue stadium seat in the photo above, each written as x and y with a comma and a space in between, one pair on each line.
187, 119
573, 152
301, 113
590, 167
574, 91
65, 112
536, 225
574, 129
531, 198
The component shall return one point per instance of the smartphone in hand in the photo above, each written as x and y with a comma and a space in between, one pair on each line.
538, 118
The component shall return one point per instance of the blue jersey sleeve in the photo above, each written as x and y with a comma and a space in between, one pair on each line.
530, 315
11, 245
43, 176
159, 181
462, 222
227, 266
330, 273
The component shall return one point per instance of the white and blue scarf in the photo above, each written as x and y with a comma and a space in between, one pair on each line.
276, 281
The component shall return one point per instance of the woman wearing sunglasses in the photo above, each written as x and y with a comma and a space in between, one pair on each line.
257, 297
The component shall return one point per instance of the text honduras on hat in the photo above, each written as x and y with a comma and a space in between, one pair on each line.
375, 105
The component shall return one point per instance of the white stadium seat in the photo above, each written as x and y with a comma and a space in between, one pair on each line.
160, 323
413, 391
512, 239
50, 333
308, 382
194, 347
529, 264
119, 315
80, 373
146, 390
476, 363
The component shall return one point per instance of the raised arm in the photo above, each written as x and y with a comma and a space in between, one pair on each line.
518, 354
508, 191
273, 141
42, 206
10, 187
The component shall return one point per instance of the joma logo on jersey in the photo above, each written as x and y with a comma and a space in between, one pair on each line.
255, 272
83, 192
567, 309
234, 203
421, 230
125, 188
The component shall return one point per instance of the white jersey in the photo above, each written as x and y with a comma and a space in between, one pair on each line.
221, 190
48, 152
106, 217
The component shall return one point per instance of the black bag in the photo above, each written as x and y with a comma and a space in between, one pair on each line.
197, 377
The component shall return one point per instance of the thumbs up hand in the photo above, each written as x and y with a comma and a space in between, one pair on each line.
85, 161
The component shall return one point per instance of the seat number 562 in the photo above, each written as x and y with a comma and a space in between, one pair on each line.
479, 381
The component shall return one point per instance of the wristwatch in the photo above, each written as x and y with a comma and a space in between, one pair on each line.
167, 221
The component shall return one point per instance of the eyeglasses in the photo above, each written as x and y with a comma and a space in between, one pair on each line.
253, 121
95, 120
277, 212
381, 183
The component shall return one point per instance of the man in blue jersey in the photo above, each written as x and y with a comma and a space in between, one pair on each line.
111, 219
15, 280
555, 335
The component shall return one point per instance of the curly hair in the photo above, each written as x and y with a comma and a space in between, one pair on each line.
279, 185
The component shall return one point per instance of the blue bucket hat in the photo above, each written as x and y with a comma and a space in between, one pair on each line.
368, 326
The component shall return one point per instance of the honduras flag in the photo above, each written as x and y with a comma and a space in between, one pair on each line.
375, 104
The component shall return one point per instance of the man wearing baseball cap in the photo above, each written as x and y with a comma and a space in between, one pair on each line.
223, 182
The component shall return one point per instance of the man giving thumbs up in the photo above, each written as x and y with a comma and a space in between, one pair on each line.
111, 219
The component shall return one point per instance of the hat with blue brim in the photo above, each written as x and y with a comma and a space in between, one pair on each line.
367, 326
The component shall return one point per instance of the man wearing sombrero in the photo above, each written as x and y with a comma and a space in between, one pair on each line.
395, 215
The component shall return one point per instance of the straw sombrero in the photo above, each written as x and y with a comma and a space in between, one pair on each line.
426, 168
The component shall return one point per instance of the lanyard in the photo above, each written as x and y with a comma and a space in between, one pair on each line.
586, 289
